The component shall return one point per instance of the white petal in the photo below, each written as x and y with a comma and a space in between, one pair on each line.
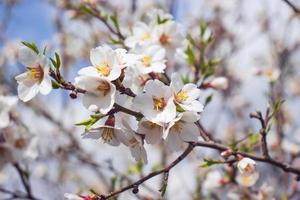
176, 82
46, 86
26, 93
189, 132
4, 118
88, 71
173, 141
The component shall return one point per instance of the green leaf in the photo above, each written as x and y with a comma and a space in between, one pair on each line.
53, 63
210, 162
163, 189
277, 106
113, 182
44, 50
161, 21
114, 19
208, 100
85, 9
186, 79
88, 123
253, 138
55, 85
190, 55
179, 108
31, 46
58, 62
136, 169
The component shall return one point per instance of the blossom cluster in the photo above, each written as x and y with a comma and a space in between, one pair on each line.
167, 109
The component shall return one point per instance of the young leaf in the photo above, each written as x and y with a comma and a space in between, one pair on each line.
58, 63
31, 46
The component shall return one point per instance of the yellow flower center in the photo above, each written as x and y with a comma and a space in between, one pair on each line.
146, 36
181, 96
159, 103
103, 69
107, 134
147, 61
35, 73
164, 39
104, 87
249, 169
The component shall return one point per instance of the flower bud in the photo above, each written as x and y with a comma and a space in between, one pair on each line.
246, 166
219, 83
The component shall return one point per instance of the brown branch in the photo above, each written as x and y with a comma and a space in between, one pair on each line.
25, 182
283, 166
135, 185
263, 131
292, 6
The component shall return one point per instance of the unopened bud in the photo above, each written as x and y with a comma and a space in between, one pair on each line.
219, 83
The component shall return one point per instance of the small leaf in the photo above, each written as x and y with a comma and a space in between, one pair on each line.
136, 168
179, 108
190, 55
53, 63
55, 85
253, 138
209, 162
44, 50
31, 46
58, 62
88, 123
163, 189
208, 100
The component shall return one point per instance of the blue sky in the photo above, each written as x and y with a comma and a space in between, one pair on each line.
30, 21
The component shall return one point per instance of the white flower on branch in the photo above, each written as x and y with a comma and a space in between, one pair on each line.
157, 103
100, 92
108, 129
169, 35
142, 34
6, 104
180, 130
186, 96
151, 59
247, 180
132, 139
152, 131
105, 63
37, 78
246, 166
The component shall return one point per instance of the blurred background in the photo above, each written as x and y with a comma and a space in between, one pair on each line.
258, 43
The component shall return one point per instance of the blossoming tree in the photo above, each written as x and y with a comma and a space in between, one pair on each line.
145, 90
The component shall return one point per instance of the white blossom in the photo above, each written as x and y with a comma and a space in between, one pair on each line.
186, 96
153, 131
37, 78
105, 63
156, 103
100, 92
142, 35
246, 166
180, 130
6, 104
108, 129
151, 59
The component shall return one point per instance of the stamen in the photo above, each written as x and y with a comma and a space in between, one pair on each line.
159, 103
164, 39
181, 96
104, 87
147, 61
107, 134
103, 69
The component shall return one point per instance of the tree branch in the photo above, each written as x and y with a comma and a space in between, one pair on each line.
292, 6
